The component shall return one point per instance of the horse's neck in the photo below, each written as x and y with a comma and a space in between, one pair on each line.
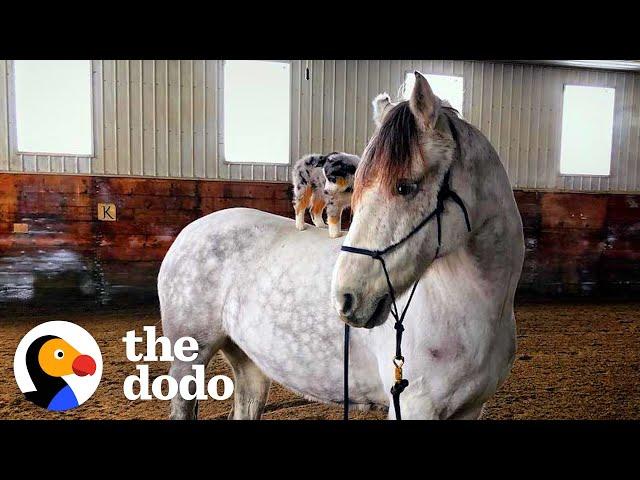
453, 273
451, 297
479, 277
496, 247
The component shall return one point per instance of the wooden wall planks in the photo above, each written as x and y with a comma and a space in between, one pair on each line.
576, 243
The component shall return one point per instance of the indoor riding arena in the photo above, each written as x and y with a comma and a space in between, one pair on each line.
104, 162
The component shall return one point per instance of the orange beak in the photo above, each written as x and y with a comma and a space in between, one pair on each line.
84, 365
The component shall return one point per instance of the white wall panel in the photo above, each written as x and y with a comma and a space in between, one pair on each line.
4, 117
163, 118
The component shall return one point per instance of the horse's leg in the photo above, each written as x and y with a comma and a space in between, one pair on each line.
472, 413
415, 401
334, 217
417, 405
182, 409
317, 207
300, 205
251, 386
413, 407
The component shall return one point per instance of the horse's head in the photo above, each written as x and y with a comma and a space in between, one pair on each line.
396, 188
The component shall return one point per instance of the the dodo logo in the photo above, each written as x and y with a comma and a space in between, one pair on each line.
58, 365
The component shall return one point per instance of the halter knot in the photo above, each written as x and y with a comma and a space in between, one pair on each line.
399, 387
399, 326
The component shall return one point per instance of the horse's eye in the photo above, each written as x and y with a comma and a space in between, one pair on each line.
406, 188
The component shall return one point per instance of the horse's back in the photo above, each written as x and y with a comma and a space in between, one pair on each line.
216, 260
202, 260
207, 234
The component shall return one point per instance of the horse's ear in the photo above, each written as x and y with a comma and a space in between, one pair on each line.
424, 104
380, 105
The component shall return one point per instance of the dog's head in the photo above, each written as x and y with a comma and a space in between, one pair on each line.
339, 169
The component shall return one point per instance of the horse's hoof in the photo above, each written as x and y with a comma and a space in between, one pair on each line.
301, 227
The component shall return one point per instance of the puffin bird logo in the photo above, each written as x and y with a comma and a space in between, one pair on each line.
52, 372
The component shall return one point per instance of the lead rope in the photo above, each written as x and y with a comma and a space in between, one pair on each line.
345, 415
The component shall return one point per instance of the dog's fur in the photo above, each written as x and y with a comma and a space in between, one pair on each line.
323, 182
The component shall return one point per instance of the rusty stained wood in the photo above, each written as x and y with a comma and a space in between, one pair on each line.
576, 243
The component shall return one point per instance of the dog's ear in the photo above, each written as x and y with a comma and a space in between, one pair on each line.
325, 159
319, 161
380, 105
350, 169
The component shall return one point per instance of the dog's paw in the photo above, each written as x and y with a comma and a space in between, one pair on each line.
300, 225
318, 222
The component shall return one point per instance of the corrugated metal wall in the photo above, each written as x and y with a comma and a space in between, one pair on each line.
162, 118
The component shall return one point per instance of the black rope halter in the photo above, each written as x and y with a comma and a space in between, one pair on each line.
445, 193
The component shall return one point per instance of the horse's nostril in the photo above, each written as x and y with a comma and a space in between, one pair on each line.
347, 303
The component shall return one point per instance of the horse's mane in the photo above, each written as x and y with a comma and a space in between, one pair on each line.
389, 154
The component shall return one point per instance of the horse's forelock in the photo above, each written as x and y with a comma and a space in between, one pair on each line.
389, 154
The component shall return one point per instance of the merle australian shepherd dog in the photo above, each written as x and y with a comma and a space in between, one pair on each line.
323, 182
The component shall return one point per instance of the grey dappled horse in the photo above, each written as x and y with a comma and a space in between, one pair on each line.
271, 297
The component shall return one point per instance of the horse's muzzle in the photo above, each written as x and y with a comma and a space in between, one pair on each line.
373, 317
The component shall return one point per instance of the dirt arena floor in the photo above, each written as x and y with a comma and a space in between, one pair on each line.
573, 362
